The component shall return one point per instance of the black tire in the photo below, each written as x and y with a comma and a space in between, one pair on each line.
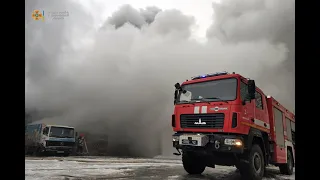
37, 152
192, 164
287, 168
29, 152
66, 154
254, 170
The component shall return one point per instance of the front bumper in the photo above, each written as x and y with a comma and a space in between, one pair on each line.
208, 142
59, 149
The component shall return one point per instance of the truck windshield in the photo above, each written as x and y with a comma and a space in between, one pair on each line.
61, 132
216, 90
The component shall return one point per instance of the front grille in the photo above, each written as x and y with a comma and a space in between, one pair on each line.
207, 121
58, 143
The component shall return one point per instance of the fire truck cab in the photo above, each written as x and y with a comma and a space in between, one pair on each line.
224, 119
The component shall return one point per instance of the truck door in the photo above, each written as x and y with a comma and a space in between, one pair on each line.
261, 119
248, 107
279, 147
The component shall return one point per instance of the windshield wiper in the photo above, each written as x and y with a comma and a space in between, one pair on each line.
202, 99
65, 136
55, 136
216, 98
185, 101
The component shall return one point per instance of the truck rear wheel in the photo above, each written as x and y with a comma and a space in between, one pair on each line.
287, 168
254, 169
192, 164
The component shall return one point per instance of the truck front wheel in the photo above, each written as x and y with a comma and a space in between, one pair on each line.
254, 169
192, 164
37, 152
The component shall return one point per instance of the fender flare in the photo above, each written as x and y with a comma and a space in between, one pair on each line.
290, 144
254, 133
258, 134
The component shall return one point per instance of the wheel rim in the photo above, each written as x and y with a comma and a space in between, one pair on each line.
257, 162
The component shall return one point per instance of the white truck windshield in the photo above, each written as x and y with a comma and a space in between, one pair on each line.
61, 132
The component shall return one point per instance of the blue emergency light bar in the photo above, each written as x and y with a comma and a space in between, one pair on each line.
210, 75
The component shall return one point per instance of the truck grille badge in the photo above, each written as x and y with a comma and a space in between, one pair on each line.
200, 122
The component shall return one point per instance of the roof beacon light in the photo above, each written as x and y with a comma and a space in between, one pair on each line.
210, 75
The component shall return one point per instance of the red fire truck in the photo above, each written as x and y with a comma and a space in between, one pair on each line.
224, 119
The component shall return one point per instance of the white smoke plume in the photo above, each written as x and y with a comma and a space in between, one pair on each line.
252, 20
127, 14
118, 80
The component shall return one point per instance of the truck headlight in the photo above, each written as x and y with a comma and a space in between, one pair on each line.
233, 142
175, 138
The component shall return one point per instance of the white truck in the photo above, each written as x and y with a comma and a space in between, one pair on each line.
43, 139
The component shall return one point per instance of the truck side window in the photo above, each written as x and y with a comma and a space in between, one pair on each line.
30, 128
46, 131
259, 103
288, 129
243, 90
293, 131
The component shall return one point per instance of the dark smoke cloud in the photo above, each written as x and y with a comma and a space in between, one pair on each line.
119, 81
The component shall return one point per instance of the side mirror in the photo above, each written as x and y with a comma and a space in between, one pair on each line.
176, 92
177, 86
76, 134
251, 89
45, 131
175, 96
